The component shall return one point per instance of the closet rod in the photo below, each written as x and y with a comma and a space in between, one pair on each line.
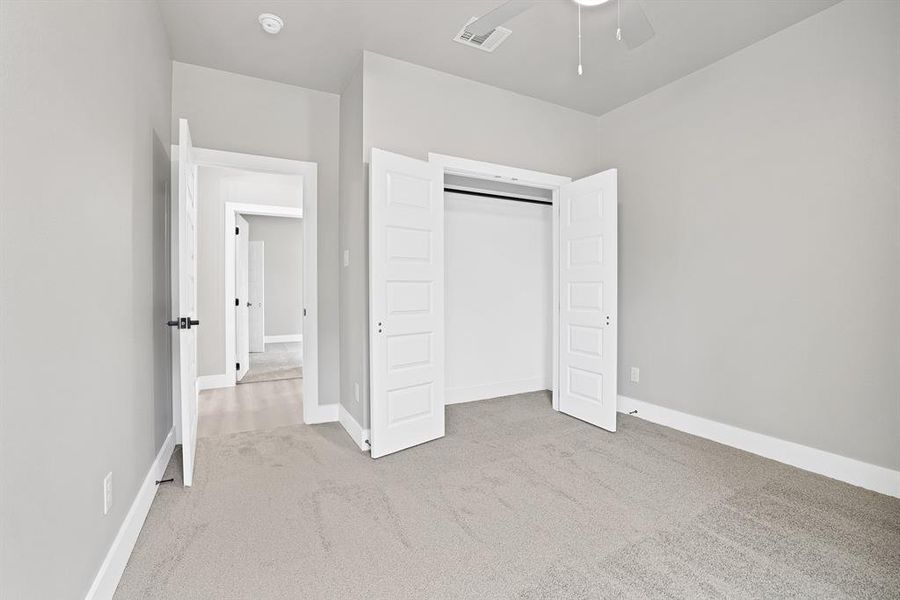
498, 196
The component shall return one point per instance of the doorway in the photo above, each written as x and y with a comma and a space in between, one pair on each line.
263, 320
196, 231
268, 298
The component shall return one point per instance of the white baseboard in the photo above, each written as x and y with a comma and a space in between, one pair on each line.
495, 390
212, 382
282, 339
113, 566
852, 471
359, 435
327, 413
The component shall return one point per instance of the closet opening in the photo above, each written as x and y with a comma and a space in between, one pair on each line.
498, 289
487, 281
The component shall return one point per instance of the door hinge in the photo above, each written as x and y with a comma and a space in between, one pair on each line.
237, 302
304, 312
237, 366
237, 231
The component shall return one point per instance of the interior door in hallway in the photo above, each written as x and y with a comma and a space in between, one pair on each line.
406, 302
256, 296
242, 293
185, 278
588, 289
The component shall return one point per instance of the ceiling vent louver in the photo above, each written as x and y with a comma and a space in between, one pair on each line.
487, 42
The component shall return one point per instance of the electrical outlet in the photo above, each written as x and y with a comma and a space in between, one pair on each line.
635, 375
356, 392
346, 258
107, 493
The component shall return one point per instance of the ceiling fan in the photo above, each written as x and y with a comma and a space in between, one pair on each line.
632, 24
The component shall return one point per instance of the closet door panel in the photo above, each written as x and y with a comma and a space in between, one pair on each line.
587, 298
406, 304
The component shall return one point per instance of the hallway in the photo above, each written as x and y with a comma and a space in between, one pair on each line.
281, 360
250, 407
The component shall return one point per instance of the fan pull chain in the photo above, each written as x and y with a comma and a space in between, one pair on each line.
580, 68
619, 20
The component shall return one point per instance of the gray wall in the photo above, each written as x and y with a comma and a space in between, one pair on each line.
244, 114
283, 272
84, 352
414, 110
760, 236
354, 224
216, 186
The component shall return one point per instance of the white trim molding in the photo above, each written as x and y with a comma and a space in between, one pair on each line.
359, 435
486, 170
458, 395
107, 579
283, 339
849, 470
312, 415
214, 382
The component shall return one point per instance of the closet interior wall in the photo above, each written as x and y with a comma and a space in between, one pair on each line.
498, 288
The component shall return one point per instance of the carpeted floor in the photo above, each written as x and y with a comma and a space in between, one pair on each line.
517, 501
279, 361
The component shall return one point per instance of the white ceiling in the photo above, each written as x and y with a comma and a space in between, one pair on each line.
322, 40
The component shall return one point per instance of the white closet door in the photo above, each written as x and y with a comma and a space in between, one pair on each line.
242, 304
406, 302
187, 297
256, 292
587, 296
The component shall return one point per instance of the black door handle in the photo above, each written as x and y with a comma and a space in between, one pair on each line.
183, 323
249, 305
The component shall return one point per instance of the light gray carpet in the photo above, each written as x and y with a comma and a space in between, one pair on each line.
517, 501
279, 361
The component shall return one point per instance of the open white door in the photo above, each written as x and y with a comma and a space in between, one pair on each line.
256, 293
242, 299
588, 290
406, 302
186, 278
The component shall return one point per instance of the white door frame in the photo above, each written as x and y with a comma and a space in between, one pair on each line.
455, 165
308, 212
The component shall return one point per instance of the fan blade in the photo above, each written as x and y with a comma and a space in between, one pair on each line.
636, 27
489, 21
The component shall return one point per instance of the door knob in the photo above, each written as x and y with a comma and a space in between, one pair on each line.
249, 305
182, 323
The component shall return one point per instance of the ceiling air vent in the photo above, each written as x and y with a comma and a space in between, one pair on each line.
487, 42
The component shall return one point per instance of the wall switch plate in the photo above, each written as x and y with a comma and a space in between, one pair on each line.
635, 375
107, 493
346, 258
356, 392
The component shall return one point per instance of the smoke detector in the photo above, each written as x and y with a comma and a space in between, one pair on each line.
487, 42
271, 23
